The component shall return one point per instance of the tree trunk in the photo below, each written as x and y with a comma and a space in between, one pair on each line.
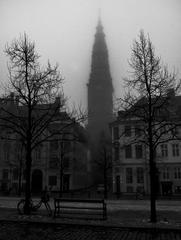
153, 215
61, 169
27, 208
20, 174
105, 183
61, 181
105, 173
19, 180
152, 164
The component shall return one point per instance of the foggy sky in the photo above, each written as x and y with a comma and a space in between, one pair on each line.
63, 31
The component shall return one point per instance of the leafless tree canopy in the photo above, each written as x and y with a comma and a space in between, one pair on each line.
36, 93
36, 98
149, 92
149, 101
149, 77
28, 80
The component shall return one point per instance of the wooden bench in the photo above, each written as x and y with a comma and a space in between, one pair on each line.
80, 208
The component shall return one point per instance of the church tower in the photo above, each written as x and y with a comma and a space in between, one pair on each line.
100, 89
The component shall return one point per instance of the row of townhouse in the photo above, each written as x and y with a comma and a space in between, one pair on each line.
62, 160
131, 160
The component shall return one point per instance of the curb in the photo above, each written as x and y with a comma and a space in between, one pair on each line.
69, 222
10, 215
90, 225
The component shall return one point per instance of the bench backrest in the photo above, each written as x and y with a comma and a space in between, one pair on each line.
79, 200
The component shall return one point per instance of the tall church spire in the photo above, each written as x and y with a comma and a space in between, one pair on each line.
100, 88
99, 25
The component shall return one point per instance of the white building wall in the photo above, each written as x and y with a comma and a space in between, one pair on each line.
119, 167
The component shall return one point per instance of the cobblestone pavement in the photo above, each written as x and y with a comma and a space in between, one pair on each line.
126, 221
42, 227
39, 231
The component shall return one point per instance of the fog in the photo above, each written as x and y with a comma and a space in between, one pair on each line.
63, 31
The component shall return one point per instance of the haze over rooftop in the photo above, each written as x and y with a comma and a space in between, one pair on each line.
63, 31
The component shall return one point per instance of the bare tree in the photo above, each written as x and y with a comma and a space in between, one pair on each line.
148, 100
65, 137
19, 163
104, 161
62, 147
35, 105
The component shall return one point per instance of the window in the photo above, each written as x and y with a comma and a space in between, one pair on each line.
5, 174
38, 154
116, 170
53, 163
177, 173
127, 131
52, 181
54, 145
7, 151
140, 175
140, 189
178, 189
15, 187
23, 187
164, 150
118, 183
116, 154
166, 174
66, 182
116, 133
15, 174
129, 175
129, 189
24, 174
66, 163
66, 145
175, 150
139, 151
138, 131
175, 131
128, 151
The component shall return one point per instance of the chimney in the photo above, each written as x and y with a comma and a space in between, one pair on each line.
17, 100
171, 92
57, 100
12, 96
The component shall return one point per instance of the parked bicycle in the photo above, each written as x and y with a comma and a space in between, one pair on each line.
35, 206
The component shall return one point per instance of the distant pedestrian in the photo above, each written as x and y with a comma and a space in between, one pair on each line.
45, 199
45, 195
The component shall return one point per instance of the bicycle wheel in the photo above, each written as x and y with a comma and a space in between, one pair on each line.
20, 206
35, 207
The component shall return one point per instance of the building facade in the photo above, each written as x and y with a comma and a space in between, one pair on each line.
131, 158
58, 163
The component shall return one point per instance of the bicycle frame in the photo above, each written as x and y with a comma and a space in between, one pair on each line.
33, 207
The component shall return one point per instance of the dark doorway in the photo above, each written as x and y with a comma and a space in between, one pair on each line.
66, 182
166, 188
37, 181
118, 187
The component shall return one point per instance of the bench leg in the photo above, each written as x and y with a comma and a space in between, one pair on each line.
104, 212
54, 214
